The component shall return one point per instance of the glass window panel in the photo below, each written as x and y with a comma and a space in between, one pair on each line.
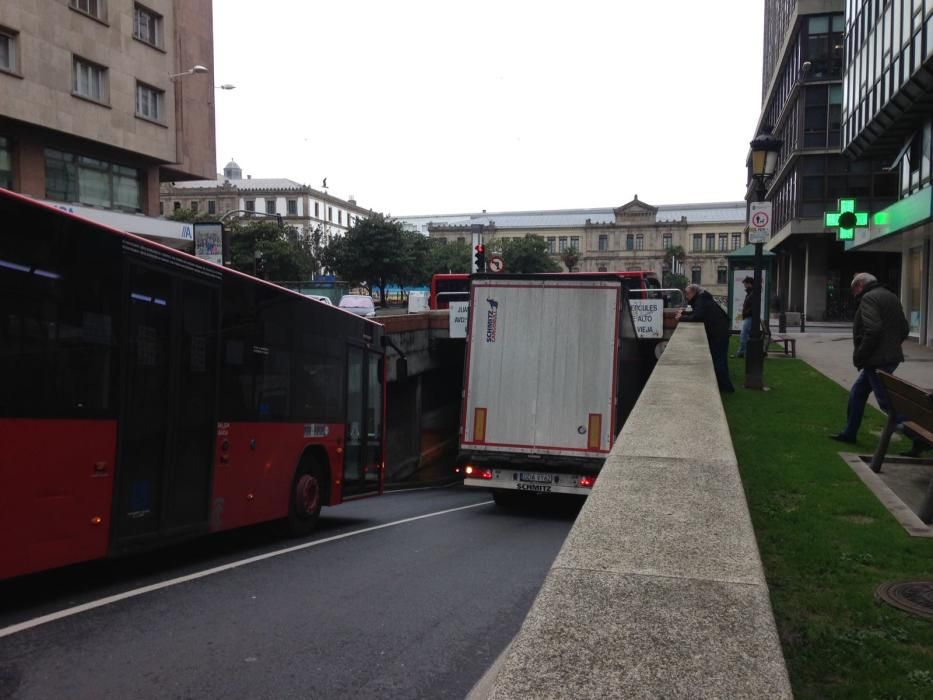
93, 183
61, 181
812, 187
126, 188
6, 52
819, 25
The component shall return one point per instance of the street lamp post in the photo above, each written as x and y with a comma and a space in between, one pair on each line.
764, 156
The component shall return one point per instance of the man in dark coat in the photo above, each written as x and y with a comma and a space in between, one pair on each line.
748, 311
878, 330
711, 315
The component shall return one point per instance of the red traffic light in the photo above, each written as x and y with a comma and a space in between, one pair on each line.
480, 248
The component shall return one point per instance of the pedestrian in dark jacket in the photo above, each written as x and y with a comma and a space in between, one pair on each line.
707, 311
748, 312
878, 330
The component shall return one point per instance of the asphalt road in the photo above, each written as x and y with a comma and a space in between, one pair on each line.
416, 609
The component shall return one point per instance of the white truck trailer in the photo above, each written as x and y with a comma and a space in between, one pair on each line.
552, 370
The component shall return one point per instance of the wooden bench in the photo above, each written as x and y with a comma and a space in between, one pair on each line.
914, 405
790, 344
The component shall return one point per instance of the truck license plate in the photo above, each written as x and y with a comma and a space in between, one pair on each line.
536, 477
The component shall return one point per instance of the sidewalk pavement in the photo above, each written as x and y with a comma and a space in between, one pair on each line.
830, 352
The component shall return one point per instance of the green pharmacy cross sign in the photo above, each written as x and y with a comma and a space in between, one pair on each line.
846, 220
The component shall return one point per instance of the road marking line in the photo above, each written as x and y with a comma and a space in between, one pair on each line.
84, 607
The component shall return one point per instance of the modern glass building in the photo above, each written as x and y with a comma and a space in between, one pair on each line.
887, 116
802, 104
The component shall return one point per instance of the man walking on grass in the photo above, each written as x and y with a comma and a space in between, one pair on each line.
878, 330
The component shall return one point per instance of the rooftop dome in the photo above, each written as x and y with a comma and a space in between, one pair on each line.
232, 171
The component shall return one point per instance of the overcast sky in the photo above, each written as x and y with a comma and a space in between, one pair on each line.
437, 106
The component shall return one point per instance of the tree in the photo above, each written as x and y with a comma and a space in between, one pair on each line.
570, 257
444, 257
375, 252
272, 252
190, 216
524, 255
673, 263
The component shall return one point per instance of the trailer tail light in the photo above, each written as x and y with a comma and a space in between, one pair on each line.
471, 472
588, 481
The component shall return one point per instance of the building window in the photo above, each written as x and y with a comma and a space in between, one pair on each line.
211, 206
176, 206
460, 239
339, 217
630, 241
602, 268
73, 178
270, 206
575, 242
95, 8
695, 276
667, 241
710, 241
317, 210
551, 242
161, 208
292, 205
603, 242
250, 205
697, 242
330, 213
7, 50
6, 164
149, 102
723, 241
193, 206
561, 244
722, 275
736, 241
822, 116
90, 80
640, 242
824, 45
147, 26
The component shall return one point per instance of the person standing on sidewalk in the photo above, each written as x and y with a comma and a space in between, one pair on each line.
878, 330
748, 311
716, 322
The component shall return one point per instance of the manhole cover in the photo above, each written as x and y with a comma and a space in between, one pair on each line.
915, 597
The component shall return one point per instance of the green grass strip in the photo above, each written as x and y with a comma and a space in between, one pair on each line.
826, 542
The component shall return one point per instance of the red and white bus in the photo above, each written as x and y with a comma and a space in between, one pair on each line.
148, 396
449, 287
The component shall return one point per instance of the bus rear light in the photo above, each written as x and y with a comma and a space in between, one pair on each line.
96, 520
471, 472
587, 481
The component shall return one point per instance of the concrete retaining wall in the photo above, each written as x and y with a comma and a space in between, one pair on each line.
658, 590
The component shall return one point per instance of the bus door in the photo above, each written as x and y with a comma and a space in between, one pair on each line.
362, 468
167, 422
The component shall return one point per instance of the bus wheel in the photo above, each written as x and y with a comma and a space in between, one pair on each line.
304, 505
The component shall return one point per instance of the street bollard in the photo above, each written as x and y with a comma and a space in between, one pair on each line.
803, 322
782, 323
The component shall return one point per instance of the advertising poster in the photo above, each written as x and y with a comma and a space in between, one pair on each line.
208, 242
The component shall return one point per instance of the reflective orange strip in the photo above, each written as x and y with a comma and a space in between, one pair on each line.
479, 425
594, 435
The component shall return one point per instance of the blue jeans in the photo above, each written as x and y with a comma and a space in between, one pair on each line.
743, 336
867, 382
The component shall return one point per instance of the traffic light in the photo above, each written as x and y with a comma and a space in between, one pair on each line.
479, 262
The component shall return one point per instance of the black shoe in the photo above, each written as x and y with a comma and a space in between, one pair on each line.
842, 437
